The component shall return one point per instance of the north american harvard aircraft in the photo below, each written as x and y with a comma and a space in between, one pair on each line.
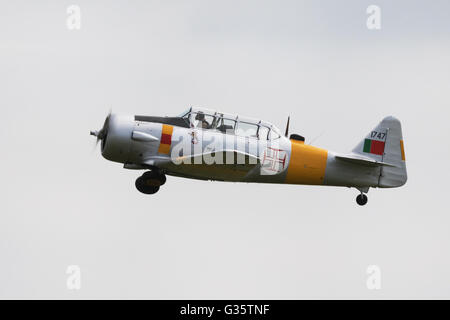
209, 145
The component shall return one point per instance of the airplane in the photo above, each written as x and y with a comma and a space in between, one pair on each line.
208, 145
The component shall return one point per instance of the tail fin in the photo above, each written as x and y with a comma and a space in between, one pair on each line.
385, 144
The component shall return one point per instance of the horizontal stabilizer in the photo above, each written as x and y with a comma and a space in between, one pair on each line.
364, 161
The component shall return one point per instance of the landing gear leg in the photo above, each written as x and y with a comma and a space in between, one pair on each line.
150, 182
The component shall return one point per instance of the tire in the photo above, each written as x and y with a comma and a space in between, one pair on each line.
162, 179
143, 187
149, 175
154, 178
361, 199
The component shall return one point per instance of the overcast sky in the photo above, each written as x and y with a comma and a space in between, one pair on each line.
63, 204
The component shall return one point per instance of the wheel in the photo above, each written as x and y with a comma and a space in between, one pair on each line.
154, 178
361, 199
142, 185
162, 179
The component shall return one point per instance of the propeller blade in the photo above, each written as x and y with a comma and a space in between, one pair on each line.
94, 147
103, 132
287, 126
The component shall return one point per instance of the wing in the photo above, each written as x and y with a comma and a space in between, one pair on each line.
230, 165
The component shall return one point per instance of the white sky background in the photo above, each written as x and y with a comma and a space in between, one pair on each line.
63, 204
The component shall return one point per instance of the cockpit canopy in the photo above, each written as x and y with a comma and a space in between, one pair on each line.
229, 124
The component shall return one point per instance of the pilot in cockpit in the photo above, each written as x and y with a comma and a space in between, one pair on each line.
200, 121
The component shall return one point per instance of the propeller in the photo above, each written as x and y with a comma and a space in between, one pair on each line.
287, 126
103, 132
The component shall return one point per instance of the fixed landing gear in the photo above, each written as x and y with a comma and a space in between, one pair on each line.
361, 199
150, 182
